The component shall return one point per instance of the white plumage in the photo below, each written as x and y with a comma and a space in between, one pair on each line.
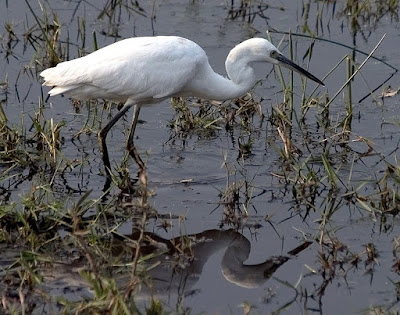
147, 70
142, 68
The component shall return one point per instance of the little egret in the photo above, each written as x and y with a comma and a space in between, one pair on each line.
147, 70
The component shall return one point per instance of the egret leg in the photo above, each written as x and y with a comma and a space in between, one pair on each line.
130, 146
103, 134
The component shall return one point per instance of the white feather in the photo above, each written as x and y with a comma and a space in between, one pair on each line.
143, 67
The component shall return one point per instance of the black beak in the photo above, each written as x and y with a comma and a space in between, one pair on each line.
283, 61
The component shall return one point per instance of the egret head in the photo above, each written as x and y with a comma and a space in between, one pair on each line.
261, 50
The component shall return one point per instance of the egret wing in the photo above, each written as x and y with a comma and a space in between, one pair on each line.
139, 68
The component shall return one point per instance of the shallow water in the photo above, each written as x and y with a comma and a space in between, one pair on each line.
275, 224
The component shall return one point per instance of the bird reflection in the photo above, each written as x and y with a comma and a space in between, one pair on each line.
175, 265
179, 268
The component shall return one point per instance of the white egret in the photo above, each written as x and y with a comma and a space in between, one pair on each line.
146, 70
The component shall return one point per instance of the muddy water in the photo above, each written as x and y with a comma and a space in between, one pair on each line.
198, 160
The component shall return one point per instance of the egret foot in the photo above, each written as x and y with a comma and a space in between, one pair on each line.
101, 136
142, 173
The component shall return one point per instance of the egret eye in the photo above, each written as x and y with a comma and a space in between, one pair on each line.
274, 54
